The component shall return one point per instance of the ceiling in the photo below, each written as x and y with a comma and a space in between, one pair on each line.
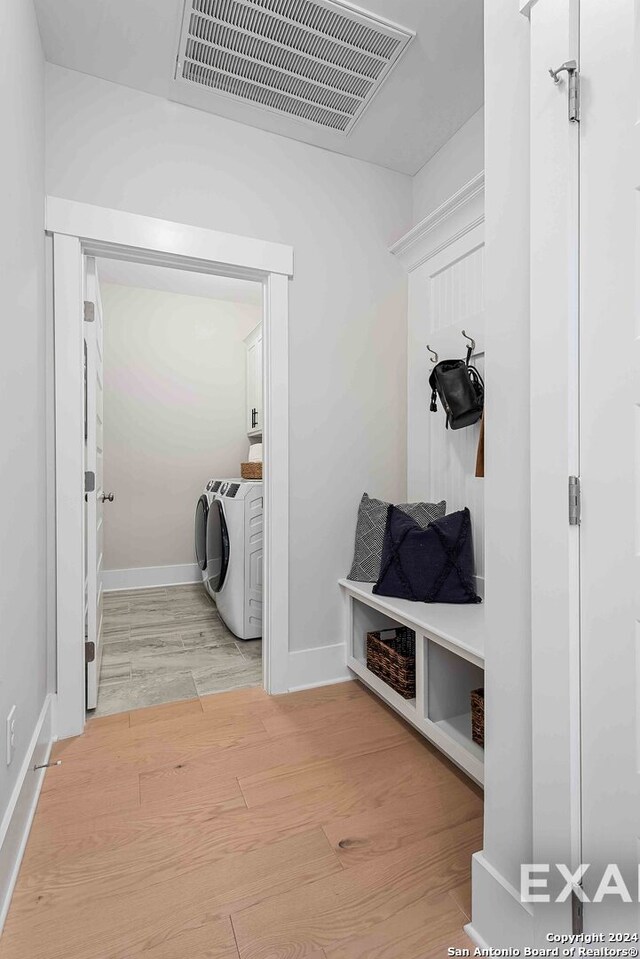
143, 276
433, 90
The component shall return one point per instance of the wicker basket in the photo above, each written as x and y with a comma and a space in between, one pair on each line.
251, 471
477, 716
391, 655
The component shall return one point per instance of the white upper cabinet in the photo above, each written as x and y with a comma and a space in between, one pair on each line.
254, 382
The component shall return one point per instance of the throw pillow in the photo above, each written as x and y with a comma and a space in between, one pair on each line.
433, 565
370, 528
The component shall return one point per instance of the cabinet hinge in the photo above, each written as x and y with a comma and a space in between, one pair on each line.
570, 67
89, 311
89, 652
575, 501
577, 915
89, 481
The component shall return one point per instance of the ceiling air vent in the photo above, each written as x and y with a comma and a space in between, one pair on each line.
318, 61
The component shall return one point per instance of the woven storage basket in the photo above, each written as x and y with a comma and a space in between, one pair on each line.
251, 471
477, 716
391, 655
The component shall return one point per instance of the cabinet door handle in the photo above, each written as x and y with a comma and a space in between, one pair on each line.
254, 419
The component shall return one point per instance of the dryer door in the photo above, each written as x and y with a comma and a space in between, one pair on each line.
202, 510
217, 546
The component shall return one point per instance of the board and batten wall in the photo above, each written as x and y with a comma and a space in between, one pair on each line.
174, 414
444, 254
347, 328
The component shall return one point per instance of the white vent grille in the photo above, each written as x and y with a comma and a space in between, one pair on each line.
315, 60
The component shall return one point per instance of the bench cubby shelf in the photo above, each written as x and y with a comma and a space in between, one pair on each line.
449, 664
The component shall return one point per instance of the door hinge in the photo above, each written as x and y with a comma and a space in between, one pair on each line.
89, 481
570, 67
577, 915
89, 311
575, 501
89, 652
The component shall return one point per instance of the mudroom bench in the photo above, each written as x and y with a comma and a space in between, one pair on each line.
449, 664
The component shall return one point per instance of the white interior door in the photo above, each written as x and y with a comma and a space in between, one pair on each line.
610, 444
94, 490
555, 627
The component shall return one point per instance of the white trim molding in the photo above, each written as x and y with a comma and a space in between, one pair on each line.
452, 220
81, 230
327, 665
101, 229
148, 577
500, 918
16, 823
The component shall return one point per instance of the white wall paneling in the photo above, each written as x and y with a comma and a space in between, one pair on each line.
445, 258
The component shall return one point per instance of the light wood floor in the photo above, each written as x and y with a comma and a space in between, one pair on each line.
312, 825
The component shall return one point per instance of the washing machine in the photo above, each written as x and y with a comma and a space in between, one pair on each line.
228, 540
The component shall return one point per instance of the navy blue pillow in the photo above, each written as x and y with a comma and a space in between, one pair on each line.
432, 565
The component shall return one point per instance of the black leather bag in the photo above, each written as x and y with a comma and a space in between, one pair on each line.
461, 391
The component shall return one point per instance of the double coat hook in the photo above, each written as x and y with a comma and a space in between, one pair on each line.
471, 348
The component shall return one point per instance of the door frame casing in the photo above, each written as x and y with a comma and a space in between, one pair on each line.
81, 229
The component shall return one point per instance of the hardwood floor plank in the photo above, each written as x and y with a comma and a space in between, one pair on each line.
375, 832
93, 794
304, 698
166, 713
146, 748
339, 909
114, 853
183, 894
424, 928
461, 895
405, 761
206, 940
105, 845
310, 826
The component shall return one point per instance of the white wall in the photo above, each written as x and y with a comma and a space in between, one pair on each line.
174, 416
452, 166
23, 479
113, 146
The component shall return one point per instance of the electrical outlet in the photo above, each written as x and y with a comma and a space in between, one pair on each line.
11, 735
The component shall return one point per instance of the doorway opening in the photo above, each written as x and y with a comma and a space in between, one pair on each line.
173, 408
81, 235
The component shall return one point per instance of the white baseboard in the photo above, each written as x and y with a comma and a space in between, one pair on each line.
16, 822
499, 918
146, 577
321, 666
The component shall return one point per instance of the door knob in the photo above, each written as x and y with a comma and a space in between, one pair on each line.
108, 496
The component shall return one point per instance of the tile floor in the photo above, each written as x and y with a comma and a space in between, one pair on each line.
163, 645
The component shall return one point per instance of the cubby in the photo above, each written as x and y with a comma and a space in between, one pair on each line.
449, 664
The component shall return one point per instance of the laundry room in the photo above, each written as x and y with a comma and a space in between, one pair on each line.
174, 407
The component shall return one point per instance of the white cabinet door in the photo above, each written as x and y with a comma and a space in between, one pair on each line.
258, 381
254, 382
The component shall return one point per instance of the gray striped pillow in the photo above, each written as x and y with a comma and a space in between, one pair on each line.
372, 520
